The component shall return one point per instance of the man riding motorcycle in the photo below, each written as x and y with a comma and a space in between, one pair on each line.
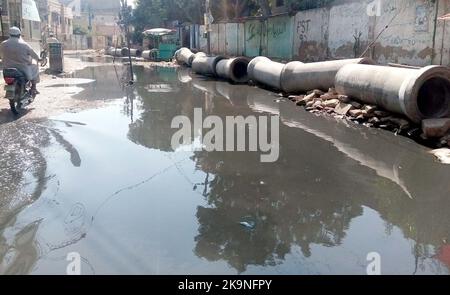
16, 53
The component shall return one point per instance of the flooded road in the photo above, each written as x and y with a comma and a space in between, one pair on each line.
106, 183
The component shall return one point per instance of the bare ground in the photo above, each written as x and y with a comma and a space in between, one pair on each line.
53, 100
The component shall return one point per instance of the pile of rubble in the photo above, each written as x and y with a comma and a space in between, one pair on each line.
434, 132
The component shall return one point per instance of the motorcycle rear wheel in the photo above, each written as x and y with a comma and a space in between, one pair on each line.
14, 107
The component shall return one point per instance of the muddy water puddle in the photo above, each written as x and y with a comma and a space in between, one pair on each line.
107, 184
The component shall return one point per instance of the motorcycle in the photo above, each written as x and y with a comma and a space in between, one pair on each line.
18, 90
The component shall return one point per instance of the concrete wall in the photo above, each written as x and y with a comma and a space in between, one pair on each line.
410, 37
347, 24
222, 38
241, 39
442, 40
311, 35
203, 44
252, 35
76, 42
232, 39
280, 37
414, 35
215, 39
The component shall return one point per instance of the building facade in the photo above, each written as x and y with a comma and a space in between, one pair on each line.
56, 18
97, 20
25, 15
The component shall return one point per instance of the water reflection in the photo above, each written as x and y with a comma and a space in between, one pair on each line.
327, 173
336, 192
24, 179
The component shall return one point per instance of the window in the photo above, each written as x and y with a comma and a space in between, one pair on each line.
4, 7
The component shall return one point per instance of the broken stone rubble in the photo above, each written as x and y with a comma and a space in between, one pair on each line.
434, 128
435, 131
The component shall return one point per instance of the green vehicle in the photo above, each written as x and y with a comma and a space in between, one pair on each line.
165, 42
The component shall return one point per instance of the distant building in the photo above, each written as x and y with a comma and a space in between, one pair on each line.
98, 20
56, 18
25, 15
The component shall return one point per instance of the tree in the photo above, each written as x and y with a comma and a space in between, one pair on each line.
265, 7
78, 30
295, 5
233, 9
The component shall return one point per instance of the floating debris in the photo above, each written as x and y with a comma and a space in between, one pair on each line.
443, 155
248, 223
434, 133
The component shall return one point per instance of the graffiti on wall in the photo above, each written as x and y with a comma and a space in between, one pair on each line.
253, 31
279, 37
303, 29
275, 30
421, 22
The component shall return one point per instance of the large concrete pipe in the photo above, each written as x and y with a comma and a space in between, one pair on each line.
147, 54
125, 51
184, 56
297, 77
136, 52
150, 54
417, 94
233, 69
206, 65
194, 56
266, 72
117, 52
110, 51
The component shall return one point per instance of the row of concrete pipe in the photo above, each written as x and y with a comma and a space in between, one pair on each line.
124, 52
416, 93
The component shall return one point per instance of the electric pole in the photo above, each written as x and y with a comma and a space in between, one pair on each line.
1, 21
208, 21
125, 20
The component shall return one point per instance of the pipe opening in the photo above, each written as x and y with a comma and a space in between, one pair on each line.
433, 100
240, 70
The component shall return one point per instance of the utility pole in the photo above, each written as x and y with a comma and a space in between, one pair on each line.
90, 18
1, 21
125, 19
208, 20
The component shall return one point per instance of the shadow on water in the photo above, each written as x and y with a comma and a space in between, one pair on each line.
336, 193
328, 172
24, 177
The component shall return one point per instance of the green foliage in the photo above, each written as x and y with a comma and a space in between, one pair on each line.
307, 4
158, 13
78, 30
233, 9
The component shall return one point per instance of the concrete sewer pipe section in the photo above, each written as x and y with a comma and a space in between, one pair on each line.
206, 65
297, 77
263, 71
136, 52
416, 93
148, 54
125, 51
110, 51
119, 52
184, 56
233, 69
194, 56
